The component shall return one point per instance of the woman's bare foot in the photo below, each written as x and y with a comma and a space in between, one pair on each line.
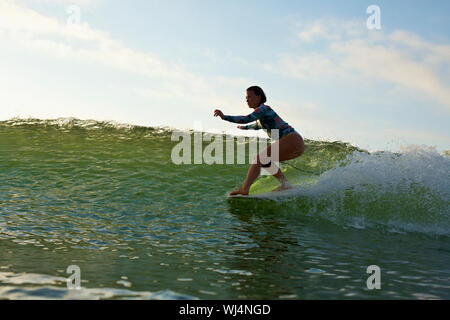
239, 191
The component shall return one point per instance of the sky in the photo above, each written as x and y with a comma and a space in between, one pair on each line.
171, 63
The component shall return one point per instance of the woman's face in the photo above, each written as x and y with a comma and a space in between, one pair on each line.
253, 100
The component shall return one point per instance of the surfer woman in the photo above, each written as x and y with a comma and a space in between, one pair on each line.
290, 144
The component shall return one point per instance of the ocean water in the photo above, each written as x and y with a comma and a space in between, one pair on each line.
107, 198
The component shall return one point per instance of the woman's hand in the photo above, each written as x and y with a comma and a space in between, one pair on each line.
218, 113
240, 127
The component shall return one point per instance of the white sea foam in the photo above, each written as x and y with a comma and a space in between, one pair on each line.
22, 286
409, 190
415, 164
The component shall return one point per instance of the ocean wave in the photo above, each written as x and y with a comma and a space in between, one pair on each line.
405, 190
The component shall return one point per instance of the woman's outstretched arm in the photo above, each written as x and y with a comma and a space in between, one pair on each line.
257, 114
254, 126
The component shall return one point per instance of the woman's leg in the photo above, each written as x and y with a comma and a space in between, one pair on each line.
289, 147
252, 175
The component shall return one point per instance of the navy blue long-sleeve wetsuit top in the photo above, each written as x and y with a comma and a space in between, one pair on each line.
265, 118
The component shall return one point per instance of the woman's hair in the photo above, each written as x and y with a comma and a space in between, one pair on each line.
259, 92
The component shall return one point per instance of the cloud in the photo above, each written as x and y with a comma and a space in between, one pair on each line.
69, 2
80, 42
434, 54
313, 31
393, 66
400, 58
328, 29
313, 66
